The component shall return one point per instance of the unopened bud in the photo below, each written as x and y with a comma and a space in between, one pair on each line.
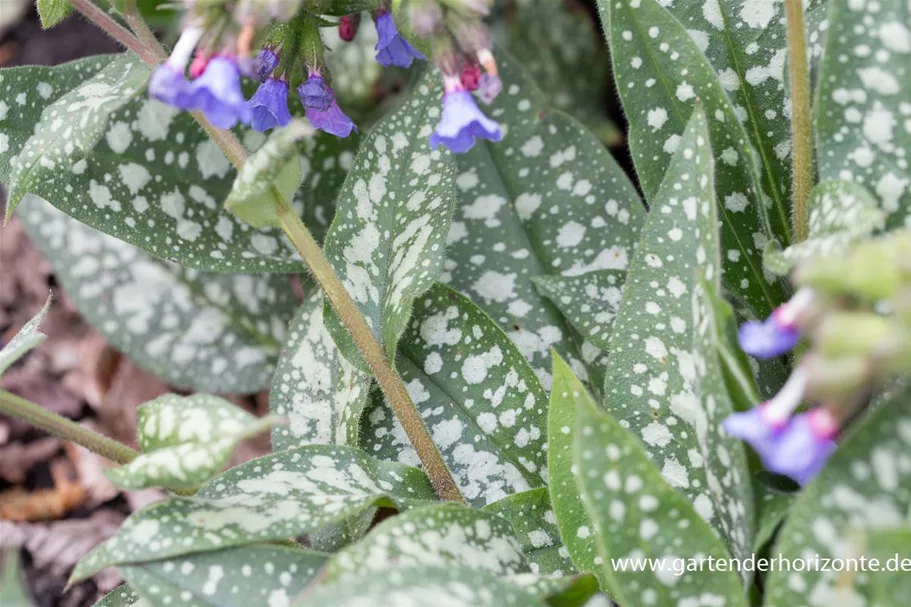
348, 26
471, 75
836, 378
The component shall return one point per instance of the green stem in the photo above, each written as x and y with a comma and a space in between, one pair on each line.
114, 30
41, 418
801, 128
389, 380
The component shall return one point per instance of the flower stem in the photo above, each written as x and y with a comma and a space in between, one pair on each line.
801, 128
41, 418
114, 30
386, 376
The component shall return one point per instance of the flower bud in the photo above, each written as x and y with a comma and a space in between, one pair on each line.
348, 26
858, 334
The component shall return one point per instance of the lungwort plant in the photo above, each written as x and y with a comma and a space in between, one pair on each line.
516, 375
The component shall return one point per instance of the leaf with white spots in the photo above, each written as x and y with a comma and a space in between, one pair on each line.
210, 332
236, 577
314, 386
559, 44
891, 587
443, 535
636, 514
547, 200
122, 596
152, 177
27, 338
72, 126
662, 76
482, 402
588, 301
389, 234
865, 487
664, 381
273, 170
535, 525
841, 213
355, 70
418, 586
185, 441
863, 119
267, 499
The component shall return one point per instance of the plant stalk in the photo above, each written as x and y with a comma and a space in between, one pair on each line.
388, 379
801, 125
41, 418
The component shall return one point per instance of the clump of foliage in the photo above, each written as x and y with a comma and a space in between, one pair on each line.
537, 368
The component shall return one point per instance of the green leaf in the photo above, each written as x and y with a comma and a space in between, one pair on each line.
72, 126
841, 213
185, 441
315, 387
862, 111
237, 577
12, 590
635, 515
210, 332
273, 170
892, 548
772, 506
423, 585
122, 596
27, 338
355, 70
52, 12
443, 535
560, 46
271, 498
547, 200
477, 394
664, 382
133, 184
532, 517
589, 301
865, 486
662, 76
389, 234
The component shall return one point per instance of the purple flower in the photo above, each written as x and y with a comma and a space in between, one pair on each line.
462, 121
332, 120
315, 93
392, 48
489, 86
804, 446
780, 332
270, 105
264, 63
169, 86
217, 93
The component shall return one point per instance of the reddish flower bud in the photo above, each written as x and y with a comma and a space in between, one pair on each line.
348, 26
471, 76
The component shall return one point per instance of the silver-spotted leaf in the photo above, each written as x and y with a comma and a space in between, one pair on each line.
424, 585
479, 397
662, 76
210, 332
891, 548
863, 119
269, 178
314, 386
71, 127
134, 184
841, 212
865, 487
388, 237
271, 498
664, 381
547, 200
443, 535
636, 515
122, 596
589, 301
236, 577
185, 440
535, 525
24, 340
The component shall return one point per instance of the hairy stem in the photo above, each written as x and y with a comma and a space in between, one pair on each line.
801, 128
141, 29
386, 376
41, 418
114, 30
